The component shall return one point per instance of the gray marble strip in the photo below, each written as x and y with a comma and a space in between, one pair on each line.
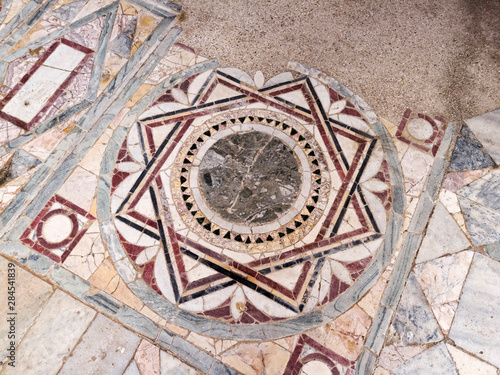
18, 18
5, 9
39, 263
16, 250
402, 267
72, 283
334, 84
100, 55
104, 302
137, 322
25, 26
366, 360
38, 43
219, 368
42, 128
59, 33
189, 352
98, 109
401, 270
18, 230
155, 8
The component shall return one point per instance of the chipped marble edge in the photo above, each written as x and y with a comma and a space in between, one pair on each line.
416, 231
107, 304
265, 331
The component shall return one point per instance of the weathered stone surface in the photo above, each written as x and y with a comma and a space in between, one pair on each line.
485, 190
414, 322
106, 347
476, 326
250, 177
469, 153
434, 361
53, 336
32, 294
483, 224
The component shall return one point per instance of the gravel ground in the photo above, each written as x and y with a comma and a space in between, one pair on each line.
435, 57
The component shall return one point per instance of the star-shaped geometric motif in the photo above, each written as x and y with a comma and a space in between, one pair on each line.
232, 273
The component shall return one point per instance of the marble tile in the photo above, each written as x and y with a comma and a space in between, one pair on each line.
63, 320
487, 130
346, 334
484, 190
416, 166
106, 347
32, 294
476, 326
371, 302
255, 359
414, 322
394, 356
467, 364
33, 96
469, 153
442, 281
433, 361
147, 358
443, 236
381, 371
79, 188
132, 369
483, 223
171, 365
493, 250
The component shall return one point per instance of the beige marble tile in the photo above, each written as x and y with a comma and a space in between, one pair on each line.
54, 334
257, 359
469, 365
147, 358
31, 295
106, 348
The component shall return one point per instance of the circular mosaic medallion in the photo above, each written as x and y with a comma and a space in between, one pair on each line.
249, 206
250, 183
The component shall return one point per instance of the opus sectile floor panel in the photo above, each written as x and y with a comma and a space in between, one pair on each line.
162, 215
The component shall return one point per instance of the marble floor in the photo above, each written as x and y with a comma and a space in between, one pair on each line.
160, 214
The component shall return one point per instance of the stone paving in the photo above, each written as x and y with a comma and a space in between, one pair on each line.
162, 215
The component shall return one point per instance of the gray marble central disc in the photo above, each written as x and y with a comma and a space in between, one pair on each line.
250, 177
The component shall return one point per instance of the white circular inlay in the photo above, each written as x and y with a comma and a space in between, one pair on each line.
57, 228
419, 128
315, 368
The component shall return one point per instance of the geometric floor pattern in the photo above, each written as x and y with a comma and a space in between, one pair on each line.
160, 214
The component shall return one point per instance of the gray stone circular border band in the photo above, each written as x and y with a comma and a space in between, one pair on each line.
263, 331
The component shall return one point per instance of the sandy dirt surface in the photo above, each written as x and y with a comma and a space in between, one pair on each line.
435, 57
